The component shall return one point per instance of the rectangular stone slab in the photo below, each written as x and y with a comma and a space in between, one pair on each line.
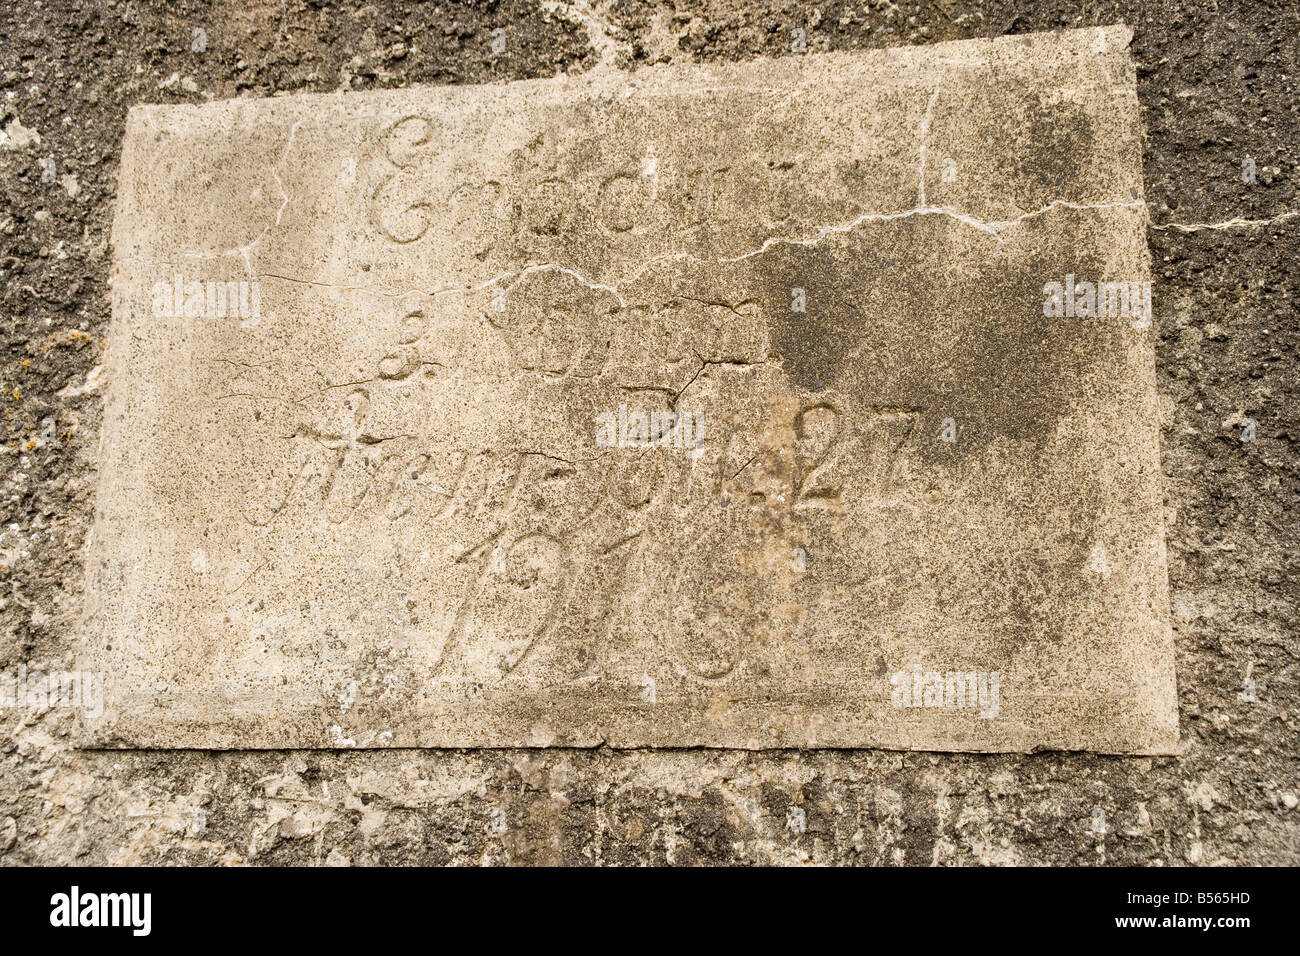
400, 488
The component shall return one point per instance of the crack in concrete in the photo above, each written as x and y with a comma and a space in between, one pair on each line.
245, 249
1226, 224
925, 137
993, 228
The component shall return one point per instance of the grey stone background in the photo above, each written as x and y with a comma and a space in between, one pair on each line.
1217, 81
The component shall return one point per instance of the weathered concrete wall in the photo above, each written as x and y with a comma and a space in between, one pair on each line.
1215, 87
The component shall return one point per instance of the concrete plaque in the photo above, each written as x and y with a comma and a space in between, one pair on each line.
795, 403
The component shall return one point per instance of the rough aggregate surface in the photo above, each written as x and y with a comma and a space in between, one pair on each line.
1217, 83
